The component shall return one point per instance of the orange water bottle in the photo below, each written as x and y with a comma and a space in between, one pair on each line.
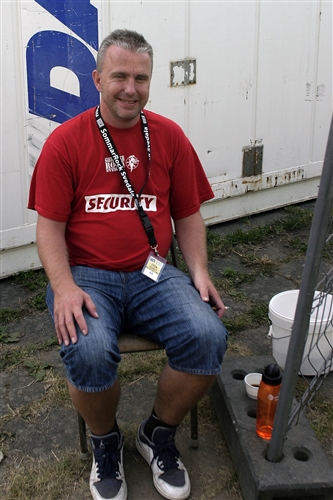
267, 400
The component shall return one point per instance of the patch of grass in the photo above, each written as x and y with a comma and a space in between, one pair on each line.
35, 281
254, 236
56, 391
215, 244
235, 348
233, 278
296, 218
320, 414
299, 245
257, 315
37, 302
32, 280
229, 280
141, 364
8, 315
16, 356
54, 479
218, 245
263, 265
56, 395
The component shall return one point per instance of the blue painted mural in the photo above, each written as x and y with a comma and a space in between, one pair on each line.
49, 49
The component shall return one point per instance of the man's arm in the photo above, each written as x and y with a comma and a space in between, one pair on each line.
68, 297
191, 237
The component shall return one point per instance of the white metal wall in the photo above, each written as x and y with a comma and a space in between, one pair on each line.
263, 77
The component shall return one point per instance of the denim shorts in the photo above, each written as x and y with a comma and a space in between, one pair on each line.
169, 312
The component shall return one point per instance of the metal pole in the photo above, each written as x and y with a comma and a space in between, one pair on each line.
299, 331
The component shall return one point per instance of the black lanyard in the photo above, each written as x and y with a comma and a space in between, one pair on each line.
121, 169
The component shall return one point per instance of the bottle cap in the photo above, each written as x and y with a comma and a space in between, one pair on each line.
272, 375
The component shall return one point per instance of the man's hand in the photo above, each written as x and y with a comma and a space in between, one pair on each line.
208, 293
68, 305
69, 299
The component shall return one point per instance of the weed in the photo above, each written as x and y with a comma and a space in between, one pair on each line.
8, 338
216, 246
263, 265
16, 356
229, 280
8, 315
237, 323
37, 302
235, 278
252, 237
296, 218
37, 369
298, 245
32, 280
259, 314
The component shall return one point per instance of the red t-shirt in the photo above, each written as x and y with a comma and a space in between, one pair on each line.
75, 181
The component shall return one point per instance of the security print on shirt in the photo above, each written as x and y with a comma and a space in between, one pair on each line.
106, 186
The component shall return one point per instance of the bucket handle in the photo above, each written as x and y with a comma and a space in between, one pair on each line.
271, 336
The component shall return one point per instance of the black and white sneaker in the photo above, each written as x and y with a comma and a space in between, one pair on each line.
169, 474
107, 480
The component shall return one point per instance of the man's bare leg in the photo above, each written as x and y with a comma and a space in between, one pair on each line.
177, 394
97, 408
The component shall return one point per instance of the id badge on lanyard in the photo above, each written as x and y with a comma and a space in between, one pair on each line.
154, 266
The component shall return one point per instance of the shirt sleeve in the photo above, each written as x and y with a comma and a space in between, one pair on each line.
51, 189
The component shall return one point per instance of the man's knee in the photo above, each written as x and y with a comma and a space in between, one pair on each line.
91, 367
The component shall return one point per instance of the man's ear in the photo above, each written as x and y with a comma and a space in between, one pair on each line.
97, 79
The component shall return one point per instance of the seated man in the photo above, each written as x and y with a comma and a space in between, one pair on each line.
105, 187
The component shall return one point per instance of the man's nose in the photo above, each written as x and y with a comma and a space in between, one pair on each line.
130, 86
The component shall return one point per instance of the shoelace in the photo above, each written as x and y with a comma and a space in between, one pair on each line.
107, 464
167, 455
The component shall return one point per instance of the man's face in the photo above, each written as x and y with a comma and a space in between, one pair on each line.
124, 85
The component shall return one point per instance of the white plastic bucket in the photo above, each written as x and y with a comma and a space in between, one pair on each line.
281, 312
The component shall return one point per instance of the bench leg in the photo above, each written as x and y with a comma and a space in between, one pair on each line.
194, 427
84, 455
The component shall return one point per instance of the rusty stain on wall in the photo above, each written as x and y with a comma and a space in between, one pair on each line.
252, 160
254, 183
